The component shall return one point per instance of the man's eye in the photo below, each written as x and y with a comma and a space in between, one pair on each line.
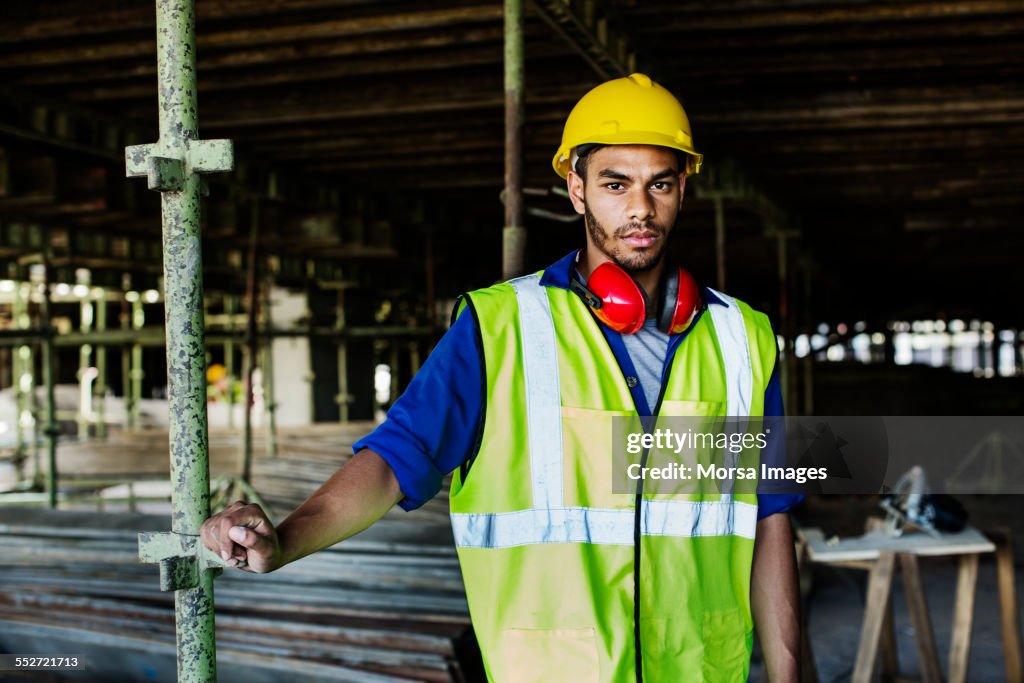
614, 186
662, 186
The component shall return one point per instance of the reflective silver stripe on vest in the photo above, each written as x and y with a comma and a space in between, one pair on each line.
543, 391
735, 346
687, 519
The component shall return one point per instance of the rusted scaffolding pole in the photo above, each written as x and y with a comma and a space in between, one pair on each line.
514, 234
172, 166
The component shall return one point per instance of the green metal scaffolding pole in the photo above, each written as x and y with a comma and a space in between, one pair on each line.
137, 374
269, 400
229, 357
51, 428
172, 166
24, 387
100, 387
85, 378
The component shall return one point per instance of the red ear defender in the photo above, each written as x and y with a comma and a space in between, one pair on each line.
619, 301
615, 298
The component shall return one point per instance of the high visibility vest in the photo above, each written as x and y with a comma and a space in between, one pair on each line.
547, 549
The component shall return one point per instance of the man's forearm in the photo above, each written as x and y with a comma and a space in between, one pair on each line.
775, 598
356, 496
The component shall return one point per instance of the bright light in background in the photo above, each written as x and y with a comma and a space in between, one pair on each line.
903, 343
977, 347
382, 383
131, 297
7, 285
62, 289
802, 346
861, 345
151, 296
1006, 364
81, 291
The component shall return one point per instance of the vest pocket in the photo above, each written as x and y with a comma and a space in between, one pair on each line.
541, 655
727, 645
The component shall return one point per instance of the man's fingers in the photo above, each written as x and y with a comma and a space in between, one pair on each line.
249, 539
222, 543
216, 536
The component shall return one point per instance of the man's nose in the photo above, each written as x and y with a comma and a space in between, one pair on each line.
641, 206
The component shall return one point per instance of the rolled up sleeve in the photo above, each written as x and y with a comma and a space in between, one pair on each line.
771, 503
430, 430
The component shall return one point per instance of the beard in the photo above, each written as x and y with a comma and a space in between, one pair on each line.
630, 261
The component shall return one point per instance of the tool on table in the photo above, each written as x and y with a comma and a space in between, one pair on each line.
912, 506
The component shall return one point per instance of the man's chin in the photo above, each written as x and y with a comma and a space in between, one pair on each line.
639, 262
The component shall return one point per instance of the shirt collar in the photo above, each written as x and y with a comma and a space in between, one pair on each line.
559, 275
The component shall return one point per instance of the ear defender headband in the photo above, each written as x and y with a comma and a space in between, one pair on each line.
618, 300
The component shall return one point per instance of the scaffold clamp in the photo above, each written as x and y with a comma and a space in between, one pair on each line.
167, 170
181, 558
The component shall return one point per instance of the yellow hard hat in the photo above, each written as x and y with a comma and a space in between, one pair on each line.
627, 111
216, 373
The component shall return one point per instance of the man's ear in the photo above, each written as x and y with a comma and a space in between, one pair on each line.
574, 183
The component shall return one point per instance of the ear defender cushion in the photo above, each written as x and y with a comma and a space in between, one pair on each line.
684, 304
669, 300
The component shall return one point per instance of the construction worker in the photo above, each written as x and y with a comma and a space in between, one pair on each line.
566, 579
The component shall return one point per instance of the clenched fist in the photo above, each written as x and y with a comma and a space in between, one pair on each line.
242, 533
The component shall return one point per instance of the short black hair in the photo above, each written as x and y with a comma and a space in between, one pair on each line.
584, 151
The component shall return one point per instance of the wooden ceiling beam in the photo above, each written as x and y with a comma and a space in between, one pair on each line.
385, 99
825, 14
661, 34
912, 172
894, 142
247, 37
855, 61
458, 140
110, 16
312, 52
435, 61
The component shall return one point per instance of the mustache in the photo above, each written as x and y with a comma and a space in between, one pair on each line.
656, 228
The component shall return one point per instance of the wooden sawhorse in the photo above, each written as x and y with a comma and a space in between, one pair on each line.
878, 553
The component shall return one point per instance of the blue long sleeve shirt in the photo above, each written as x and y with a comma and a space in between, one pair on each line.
431, 429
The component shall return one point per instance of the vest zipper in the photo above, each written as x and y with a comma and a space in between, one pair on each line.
637, 536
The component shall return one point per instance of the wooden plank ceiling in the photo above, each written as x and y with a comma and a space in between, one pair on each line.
892, 132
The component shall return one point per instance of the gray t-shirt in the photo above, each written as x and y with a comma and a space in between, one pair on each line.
647, 349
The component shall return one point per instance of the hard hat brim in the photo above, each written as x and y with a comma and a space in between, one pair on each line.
560, 162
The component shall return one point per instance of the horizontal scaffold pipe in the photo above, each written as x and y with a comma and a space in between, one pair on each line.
155, 336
